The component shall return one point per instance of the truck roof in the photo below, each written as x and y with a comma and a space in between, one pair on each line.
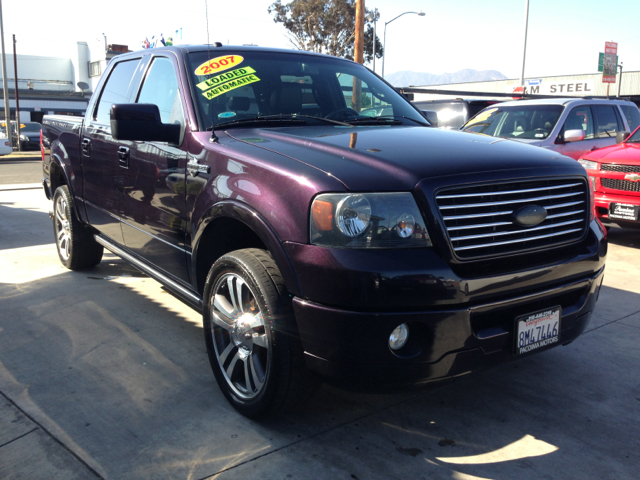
215, 50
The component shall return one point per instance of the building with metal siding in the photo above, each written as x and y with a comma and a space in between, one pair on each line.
49, 85
630, 87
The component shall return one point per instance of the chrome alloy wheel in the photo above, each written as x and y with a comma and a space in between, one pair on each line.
241, 344
63, 229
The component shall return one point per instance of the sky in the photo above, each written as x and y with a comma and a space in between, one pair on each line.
564, 36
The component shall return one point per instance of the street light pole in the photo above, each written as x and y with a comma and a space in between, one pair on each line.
7, 111
384, 44
524, 51
15, 71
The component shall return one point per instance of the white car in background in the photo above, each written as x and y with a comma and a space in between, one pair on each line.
5, 148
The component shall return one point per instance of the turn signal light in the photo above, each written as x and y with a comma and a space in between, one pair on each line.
323, 215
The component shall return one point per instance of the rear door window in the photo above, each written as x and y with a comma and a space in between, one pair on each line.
580, 118
116, 90
607, 121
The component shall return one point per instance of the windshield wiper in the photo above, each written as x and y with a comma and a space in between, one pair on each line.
261, 119
388, 119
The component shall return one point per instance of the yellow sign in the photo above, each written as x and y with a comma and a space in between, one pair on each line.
225, 77
230, 85
219, 64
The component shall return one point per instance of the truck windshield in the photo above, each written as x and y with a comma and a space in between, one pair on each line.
635, 138
533, 122
270, 87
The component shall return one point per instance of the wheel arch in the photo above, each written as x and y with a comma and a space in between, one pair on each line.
231, 225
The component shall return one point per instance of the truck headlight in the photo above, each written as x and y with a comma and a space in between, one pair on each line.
589, 165
367, 220
24, 138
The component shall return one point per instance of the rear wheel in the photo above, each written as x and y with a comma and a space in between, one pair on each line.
76, 246
251, 338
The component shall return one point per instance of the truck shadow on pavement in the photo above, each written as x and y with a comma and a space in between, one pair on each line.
117, 371
625, 237
23, 227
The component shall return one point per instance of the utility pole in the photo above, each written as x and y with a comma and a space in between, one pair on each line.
524, 50
358, 53
620, 79
15, 71
7, 111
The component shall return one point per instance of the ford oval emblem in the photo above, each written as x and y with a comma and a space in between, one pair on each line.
529, 215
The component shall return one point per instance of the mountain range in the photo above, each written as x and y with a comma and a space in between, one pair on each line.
407, 78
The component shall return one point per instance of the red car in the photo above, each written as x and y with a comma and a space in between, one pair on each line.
614, 173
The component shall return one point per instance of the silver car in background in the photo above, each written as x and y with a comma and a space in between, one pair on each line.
569, 126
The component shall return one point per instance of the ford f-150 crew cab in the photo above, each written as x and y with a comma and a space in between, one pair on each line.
319, 243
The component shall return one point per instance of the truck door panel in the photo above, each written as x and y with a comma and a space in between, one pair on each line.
153, 190
101, 171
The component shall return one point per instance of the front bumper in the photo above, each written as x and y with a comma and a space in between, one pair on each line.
350, 348
603, 202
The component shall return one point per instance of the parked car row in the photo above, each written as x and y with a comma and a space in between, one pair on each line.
29, 136
592, 131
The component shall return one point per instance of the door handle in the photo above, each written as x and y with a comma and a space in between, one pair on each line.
86, 146
123, 157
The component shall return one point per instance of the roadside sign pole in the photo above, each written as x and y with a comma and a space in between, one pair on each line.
5, 88
15, 71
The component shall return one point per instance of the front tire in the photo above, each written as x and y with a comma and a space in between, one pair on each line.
76, 246
250, 333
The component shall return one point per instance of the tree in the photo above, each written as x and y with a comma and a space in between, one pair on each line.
325, 26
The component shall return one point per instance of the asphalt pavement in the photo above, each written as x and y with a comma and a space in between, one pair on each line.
21, 168
103, 374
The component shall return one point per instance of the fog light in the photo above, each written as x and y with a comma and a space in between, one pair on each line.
399, 336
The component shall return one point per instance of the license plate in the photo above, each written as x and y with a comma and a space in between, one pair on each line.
537, 330
623, 211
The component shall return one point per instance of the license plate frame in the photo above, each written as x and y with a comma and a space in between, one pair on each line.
540, 327
630, 217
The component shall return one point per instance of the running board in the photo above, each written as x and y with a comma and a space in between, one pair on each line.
184, 293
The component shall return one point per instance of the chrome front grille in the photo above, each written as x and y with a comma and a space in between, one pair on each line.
480, 222
612, 167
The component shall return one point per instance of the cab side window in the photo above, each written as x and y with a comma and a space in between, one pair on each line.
607, 121
632, 115
116, 90
160, 88
580, 119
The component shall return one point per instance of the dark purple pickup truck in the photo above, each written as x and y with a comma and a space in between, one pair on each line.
321, 225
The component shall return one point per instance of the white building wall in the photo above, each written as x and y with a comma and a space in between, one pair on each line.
40, 73
630, 86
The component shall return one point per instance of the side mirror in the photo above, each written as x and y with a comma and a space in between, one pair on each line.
431, 116
141, 122
622, 136
576, 135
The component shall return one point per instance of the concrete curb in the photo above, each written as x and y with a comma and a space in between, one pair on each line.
21, 186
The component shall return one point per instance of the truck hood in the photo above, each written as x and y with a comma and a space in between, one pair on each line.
626, 153
395, 158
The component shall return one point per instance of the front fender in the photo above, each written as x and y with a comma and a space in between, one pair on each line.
253, 220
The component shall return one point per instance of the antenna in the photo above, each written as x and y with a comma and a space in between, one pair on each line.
214, 137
